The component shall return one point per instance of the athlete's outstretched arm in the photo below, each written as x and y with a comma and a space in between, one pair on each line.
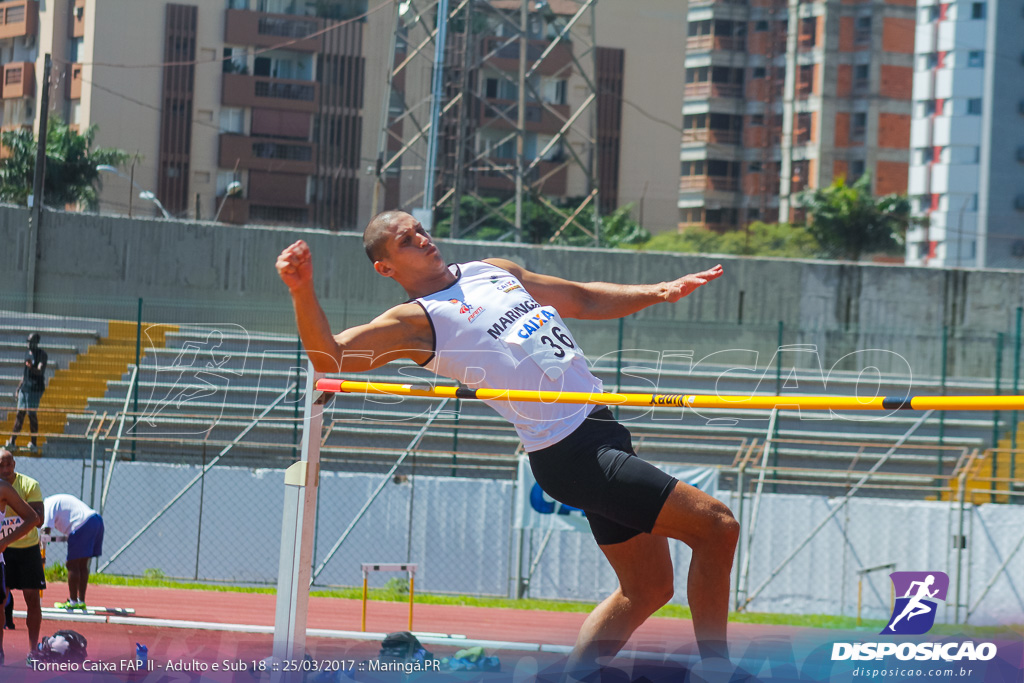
401, 332
603, 300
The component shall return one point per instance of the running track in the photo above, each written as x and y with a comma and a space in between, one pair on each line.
216, 638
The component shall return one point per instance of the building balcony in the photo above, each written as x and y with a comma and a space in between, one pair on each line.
260, 29
78, 19
241, 90
506, 57
19, 18
74, 81
267, 154
539, 119
711, 136
19, 80
701, 183
706, 89
710, 42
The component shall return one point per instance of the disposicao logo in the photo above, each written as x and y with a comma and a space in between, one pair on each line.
914, 612
918, 595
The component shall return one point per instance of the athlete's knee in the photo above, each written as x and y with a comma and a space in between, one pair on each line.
654, 593
722, 527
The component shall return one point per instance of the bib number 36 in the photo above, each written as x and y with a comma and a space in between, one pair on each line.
563, 341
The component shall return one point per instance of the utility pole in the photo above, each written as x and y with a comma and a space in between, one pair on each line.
524, 26
36, 210
460, 143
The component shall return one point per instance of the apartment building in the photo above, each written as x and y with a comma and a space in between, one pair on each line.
967, 163
784, 96
244, 110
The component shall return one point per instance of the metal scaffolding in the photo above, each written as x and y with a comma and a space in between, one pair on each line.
498, 106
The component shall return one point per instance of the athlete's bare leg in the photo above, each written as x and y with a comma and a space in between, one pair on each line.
644, 569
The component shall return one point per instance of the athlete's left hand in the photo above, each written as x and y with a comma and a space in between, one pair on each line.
677, 289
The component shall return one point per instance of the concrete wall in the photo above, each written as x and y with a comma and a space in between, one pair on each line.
98, 266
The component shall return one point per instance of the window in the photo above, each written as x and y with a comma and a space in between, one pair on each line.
761, 25
754, 167
698, 28
924, 155
757, 119
759, 72
858, 127
860, 75
977, 10
924, 203
856, 169
692, 168
930, 13
232, 120
862, 32
976, 58
974, 106
695, 121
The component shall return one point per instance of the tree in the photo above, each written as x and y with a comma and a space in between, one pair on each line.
541, 223
71, 175
848, 221
759, 239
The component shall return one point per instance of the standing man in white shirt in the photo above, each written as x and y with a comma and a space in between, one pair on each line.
84, 528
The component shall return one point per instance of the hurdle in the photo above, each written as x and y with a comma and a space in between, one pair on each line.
368, 567
735, 401
861, 573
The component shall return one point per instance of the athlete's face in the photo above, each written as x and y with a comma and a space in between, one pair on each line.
410, 251
6, 466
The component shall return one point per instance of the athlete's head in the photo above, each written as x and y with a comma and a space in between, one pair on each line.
375, 236
33, 340
400, 247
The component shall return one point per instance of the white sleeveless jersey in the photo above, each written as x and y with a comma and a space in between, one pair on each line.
490, 333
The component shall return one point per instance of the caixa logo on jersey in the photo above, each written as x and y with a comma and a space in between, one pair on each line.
918, 596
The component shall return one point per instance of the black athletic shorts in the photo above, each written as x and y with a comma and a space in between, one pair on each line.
24, 568
595, 469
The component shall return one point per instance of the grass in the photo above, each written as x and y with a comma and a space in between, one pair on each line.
396, 590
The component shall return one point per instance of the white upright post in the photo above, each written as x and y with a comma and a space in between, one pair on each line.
301, 481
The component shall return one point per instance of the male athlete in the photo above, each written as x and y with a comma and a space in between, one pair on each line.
495, 324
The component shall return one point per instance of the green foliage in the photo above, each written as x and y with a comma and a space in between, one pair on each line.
487, 220
56, 573
759, 239
398, 586
849, 222
153, 573
71, 175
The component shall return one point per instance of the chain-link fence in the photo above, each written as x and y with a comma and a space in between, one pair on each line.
182, 432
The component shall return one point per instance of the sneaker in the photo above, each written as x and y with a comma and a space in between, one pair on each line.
32, 448
78, 605
65, 605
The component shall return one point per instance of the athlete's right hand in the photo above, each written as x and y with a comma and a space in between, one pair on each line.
295, 265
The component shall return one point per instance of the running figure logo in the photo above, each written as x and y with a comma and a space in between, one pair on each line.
914, 612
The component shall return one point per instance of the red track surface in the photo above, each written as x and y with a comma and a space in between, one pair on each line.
111, 642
